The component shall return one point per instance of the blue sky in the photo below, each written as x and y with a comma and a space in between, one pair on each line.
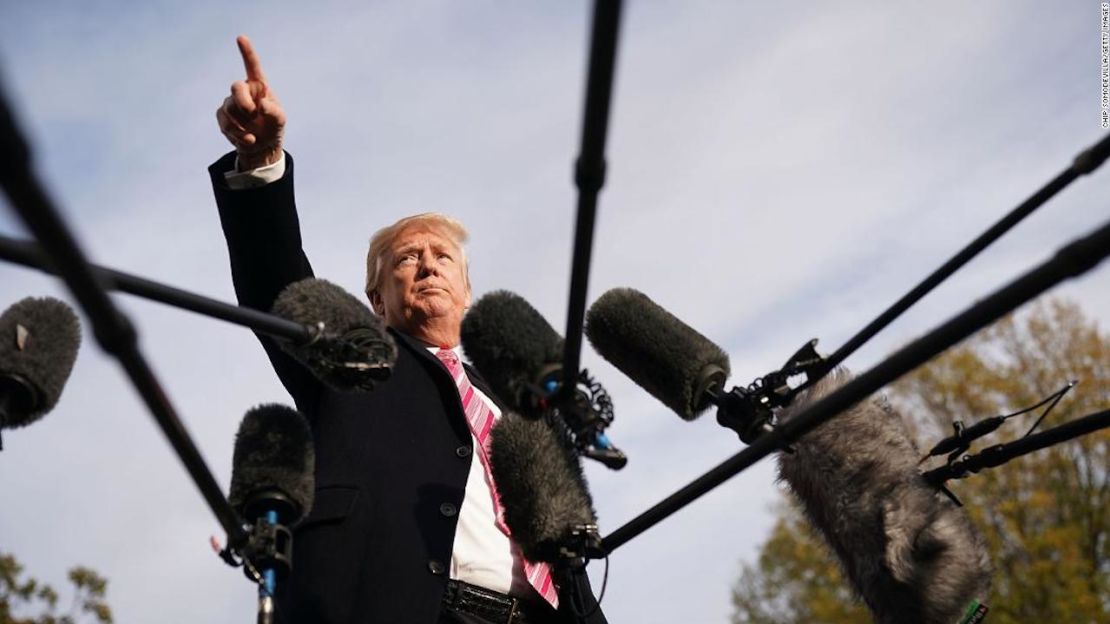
777, 172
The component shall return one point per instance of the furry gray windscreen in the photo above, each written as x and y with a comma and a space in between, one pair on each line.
39, 339
273, 452
660, 353
510, 344
908, 551
353, 334
540, 481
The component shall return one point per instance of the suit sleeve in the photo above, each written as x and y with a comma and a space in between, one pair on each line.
264, 245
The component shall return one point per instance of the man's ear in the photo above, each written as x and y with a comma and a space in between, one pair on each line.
376, 302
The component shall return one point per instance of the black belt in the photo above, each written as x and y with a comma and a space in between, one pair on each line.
485, 603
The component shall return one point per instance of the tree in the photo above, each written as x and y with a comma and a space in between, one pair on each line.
794, 580
1045, 516
23, 596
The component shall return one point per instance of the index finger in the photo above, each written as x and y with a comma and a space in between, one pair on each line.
250, 59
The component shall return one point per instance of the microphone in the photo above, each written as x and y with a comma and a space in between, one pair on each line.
273, 464
909, 551
520, 355
514, 347
39, 339
272, 486
684, 369
548, 507
352, 349
663, 355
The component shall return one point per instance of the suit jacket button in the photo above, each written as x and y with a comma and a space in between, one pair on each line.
448, 509
463, 451
436, 567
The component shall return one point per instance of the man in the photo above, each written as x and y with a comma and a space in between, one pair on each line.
405, 524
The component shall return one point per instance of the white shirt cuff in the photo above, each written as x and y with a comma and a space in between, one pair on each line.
239, 180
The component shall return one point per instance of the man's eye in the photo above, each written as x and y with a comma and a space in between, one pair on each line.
406, 259
444, 256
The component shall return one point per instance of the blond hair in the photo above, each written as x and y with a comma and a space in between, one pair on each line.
382, 240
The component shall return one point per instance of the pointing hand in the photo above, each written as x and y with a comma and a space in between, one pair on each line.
251, 117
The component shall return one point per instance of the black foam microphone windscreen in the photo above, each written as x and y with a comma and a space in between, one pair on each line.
541, 485
511, 344
39, 339
354, 350
907, 549
273, 465
663, 355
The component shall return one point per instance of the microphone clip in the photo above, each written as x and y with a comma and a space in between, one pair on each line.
586, 410
583, 543
750, 411
230, 554
270, 546
267, 546
359, 358
266, 543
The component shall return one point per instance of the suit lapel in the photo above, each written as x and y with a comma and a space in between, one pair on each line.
421, 351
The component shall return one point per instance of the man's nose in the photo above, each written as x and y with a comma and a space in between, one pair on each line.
427, 264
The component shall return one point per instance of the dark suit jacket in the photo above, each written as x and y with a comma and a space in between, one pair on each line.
391, 465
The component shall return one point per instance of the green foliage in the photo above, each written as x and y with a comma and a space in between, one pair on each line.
1045, 516
19, 597
795, 580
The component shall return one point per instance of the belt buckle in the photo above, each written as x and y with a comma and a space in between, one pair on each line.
488, 603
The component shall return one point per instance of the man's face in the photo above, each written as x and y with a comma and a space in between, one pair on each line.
423, 281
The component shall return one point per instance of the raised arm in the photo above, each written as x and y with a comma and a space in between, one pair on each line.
260, 221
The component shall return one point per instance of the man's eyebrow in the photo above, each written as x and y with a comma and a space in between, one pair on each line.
407, 248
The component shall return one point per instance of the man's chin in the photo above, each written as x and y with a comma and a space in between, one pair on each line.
432, 298
428, 308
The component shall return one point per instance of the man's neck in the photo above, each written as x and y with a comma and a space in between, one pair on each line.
434, 334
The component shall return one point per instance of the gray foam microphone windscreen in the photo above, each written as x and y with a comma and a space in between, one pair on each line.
510, 343
354, 352
273, 454
541, 485
663, 355
39, 340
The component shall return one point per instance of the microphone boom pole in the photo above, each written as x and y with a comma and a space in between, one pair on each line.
1073, 259
1084, 163
28, 254
589, 174
999, 454
112, 329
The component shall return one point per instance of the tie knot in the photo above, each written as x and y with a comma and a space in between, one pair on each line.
448, 357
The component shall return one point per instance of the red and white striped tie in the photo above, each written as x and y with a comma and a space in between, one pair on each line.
480, 418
